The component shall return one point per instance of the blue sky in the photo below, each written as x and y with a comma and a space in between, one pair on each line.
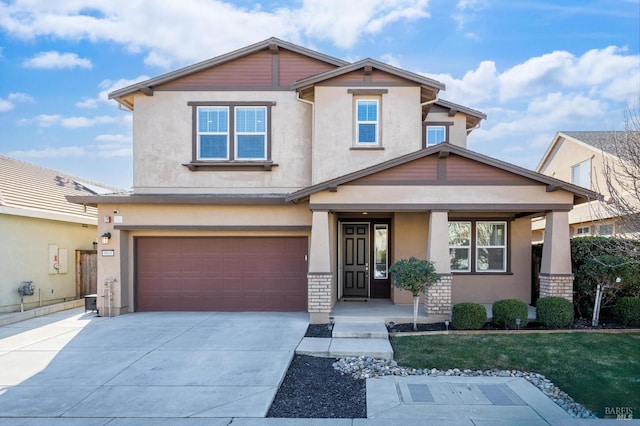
534, 67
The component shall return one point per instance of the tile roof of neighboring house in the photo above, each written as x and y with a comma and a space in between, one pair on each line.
40, 192
603, 140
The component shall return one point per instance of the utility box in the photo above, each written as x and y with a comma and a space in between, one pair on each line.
91, 303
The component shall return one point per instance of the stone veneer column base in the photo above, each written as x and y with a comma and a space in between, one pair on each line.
319, 297
560, 285
437, 300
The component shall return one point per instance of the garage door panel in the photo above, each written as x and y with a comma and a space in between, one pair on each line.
225, 274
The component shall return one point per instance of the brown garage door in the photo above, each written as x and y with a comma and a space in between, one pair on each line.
221, 274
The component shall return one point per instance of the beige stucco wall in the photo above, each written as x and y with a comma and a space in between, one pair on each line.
409, 238
213, 221
487, 288
441, 194
24, 249
457, 131
564, 156
162, 126
334, 130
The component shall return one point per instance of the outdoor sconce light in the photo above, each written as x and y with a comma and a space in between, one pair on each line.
106, 237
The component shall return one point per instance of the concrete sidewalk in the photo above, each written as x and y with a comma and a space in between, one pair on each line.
209, 368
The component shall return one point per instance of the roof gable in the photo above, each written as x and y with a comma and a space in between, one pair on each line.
460, 167
297, 61
597, 141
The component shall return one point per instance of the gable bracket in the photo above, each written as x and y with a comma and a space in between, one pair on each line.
452, 112
333, 188
273, 48
552, 187
146, 90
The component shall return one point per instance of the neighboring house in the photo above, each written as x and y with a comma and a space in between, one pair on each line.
579, 158
44, 238
279, 178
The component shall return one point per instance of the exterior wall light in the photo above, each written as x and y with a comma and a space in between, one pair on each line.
106, 237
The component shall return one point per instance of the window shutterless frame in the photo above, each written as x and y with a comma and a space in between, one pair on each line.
258, 136
479, 246
367, 122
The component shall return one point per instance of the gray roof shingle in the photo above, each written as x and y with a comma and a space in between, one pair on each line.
603, 140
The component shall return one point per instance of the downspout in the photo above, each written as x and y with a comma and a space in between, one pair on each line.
313, 126
477, 126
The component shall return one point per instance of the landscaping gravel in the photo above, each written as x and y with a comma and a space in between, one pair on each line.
312, 388
366, 367
336, 388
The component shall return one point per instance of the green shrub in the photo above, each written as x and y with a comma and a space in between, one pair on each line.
627, 309
506, 311
555, 312
468, 316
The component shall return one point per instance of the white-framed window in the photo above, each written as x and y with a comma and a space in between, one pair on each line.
478, 246
581, 174
231, 131
213, 133
251, 132
381, 255
435, 134
367, 122
583, 230
605, 229
491, 246
460, 246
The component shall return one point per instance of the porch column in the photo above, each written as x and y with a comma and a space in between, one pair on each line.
437, 299
556, 278
319, 276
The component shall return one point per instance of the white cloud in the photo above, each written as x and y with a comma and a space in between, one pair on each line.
465, 12
13, 98
390, 59
62, 152
114, 138
180, 32
106, 87
56, 60
49, 120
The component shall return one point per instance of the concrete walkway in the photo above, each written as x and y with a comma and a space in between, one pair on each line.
350, 339
214, 369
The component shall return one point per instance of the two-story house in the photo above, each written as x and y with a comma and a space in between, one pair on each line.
580, 157
278, 178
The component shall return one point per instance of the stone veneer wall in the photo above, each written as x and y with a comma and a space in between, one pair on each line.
319, 296
437, 299
560, 285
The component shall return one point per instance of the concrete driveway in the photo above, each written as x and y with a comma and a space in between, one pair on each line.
162, 364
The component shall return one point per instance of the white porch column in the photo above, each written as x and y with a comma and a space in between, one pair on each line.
319, 275
437, 299
556, 278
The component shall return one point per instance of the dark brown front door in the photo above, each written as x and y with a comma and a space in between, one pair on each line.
355, 260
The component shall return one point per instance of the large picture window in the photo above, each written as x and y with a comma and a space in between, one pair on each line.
231, 131
478, 246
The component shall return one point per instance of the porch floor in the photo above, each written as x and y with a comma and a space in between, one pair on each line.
383, 310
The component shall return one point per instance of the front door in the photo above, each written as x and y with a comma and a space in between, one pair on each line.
355, 259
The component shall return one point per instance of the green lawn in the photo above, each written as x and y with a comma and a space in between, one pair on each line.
598, 370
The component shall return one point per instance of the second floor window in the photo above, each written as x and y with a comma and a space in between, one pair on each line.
227, 133
581, 174
367, 124
436, 135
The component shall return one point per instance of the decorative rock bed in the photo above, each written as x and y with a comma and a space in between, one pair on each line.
367, 367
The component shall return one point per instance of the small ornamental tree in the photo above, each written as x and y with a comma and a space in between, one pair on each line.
414, 275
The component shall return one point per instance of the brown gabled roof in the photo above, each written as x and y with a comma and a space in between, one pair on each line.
37, 191
272, 42
368, 62
473, 116
581, 195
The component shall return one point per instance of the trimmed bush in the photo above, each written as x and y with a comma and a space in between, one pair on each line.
506, 311
627, 309
468, 316
554, 312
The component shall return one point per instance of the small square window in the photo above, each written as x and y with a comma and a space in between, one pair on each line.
583, 230
436, 135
